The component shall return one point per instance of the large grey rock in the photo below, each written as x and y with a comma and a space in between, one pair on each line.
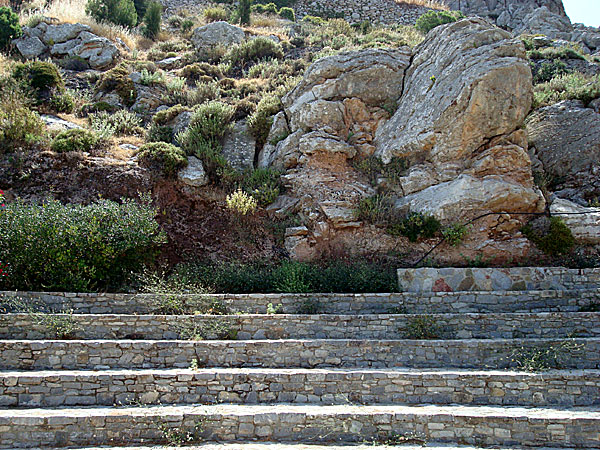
30, 47
239, 147
466, 92
217, 34
543, 21
55, 123
194, 174
583, 222
100, 52
56, 34
565, 139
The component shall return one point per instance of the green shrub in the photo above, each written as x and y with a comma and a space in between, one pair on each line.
117, 80
119, 12
62, 103
570, 86
168, 115
159, 133
416, 225
152, 19
196, 71
287, 13
262, 184
9, 26
163, 157
42, 77
19, 126
373, 167
140, 7
422, 327
454, 234
187, 25
269, 8
253, 51
556, 240
553, 53
75, 140
259, 122
376, 209
215, 14
549, 70
244, 11
432, 19
74, 247
122, 122
278, 3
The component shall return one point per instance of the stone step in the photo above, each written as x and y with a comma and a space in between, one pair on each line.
374, 445
563, 388
323, 326
469, 425
455, 279
581, 353
407, 302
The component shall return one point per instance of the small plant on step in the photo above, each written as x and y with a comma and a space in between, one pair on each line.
422, 327
194, 330
176, 436
395, 439
545, 357
274, 309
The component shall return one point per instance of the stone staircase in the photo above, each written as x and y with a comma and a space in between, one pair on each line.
325, 371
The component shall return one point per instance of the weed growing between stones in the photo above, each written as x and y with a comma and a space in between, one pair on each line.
590, 307
545, 357
422, 327
274, 309
193, 330
179, 435
309, 306
394, 439
400, 309
58, 325
454, 234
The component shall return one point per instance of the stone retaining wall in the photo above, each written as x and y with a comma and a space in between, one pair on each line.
468, 353
449, 279
444, 326
347, 423
298, 386
429, 303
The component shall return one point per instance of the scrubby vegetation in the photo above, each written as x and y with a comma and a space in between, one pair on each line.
570, 86
432, 19
9, 26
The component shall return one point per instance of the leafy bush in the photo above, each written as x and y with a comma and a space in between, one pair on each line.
196, 71
162, 156
215, 14
244, 11
278, 3
9, 26
376, 209
241, 203
259, 123
570, 86
422, 327
290, 276
262, 184
122, 122
152, 19
432, 19
254, 50
269, 8
42, 77
62, 103
287, 13
75, 140
140, 7
556, 240
454, 234
19, 126
549, 70
553, 53
373, 167
119, 12
51, 246
117, 80
416, 225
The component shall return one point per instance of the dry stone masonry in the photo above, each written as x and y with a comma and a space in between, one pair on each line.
358, 371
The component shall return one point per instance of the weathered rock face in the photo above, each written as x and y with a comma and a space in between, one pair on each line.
239, 147
583, 222
70, 41
565, 144
466, 92
543, 21
194, 174
215, 34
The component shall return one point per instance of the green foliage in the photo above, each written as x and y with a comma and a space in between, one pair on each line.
432, 19
122, 122
422, 327
163, 157
117, 80
570, 86
148, 78
215, 14
553, 53
556, 240
416, 225
549, 70
259, 122
19, 126
140, 7
373, 167
290, 276
42, 77
74, 247
252, 51
269, 8
262, 184
196, 71
287, 13
75, 140
196, 330
546, 356
9, 26
152, 19
454, 234
376, 209
179, 436
62, 103
244, 11
119, 12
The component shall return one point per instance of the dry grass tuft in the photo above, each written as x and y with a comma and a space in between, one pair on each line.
433, 4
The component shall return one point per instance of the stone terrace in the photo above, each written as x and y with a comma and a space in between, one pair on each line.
359, 371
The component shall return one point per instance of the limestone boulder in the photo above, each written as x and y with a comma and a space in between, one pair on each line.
465, 95
583, 222
564, 141
543, 21
56, 34
194, 174
217, 34
30, 47
239, 147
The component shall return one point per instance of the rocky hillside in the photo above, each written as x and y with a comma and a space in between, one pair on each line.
316, 138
